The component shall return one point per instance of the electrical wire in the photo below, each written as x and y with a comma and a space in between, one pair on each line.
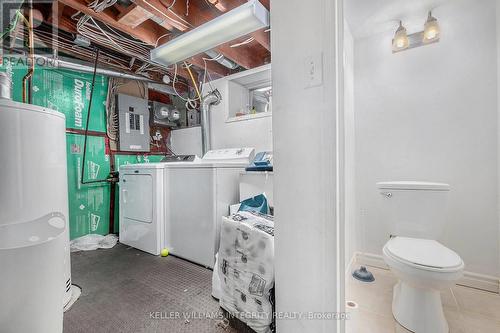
190, 102
194, 81
245, 42
207, 73
182, 23
158, 40
101, 6
171, 5
111, 114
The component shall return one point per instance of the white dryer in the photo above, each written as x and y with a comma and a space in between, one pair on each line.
199, 194
142, 206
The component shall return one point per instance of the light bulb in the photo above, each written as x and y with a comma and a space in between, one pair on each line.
400, 41
431, 29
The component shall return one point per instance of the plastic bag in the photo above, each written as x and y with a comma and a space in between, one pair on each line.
246, 269
93, 242
216, 288
256, 204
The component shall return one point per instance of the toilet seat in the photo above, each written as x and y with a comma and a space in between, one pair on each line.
423, 254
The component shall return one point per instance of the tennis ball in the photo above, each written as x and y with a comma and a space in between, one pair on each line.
164, 252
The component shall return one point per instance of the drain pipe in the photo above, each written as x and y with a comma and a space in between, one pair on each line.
213, 98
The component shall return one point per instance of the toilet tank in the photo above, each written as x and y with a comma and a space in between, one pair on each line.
414, 208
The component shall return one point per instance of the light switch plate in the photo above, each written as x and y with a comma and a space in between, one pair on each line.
313, 70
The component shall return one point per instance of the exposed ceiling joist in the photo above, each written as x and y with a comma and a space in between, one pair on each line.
166, 13
134, 15
148, 32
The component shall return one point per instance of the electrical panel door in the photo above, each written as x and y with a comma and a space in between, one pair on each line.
133, 115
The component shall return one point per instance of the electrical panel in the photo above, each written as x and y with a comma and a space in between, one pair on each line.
133, 115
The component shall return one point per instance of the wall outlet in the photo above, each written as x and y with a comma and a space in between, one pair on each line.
313, 70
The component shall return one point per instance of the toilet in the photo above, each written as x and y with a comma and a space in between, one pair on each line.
415, 215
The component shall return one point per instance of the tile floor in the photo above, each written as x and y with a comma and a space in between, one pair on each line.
467, 310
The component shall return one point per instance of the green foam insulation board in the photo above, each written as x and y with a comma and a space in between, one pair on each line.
69, 92
88, 203
65, 91
129, 159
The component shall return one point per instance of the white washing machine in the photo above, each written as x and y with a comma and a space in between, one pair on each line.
142, 206
199, 194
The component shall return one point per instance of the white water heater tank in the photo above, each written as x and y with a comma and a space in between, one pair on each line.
33, 172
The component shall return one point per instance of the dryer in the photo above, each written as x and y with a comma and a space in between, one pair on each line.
142, 206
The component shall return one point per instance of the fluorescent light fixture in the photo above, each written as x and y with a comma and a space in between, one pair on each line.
236, 23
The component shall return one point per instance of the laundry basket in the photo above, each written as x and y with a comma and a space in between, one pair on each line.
31, 274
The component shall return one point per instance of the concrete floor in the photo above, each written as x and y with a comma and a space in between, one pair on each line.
126, 290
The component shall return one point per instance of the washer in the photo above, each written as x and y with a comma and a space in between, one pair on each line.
199, 194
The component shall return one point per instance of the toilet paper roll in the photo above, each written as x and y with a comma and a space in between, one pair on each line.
351, 324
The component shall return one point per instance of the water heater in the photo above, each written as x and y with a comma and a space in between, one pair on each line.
33, 175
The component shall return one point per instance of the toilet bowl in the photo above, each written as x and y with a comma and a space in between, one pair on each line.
423, 267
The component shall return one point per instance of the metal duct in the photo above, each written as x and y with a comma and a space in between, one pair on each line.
221, 59
213, 98
89, 69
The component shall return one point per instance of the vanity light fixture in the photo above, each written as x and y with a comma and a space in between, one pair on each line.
431, 33
400, 41
431, 29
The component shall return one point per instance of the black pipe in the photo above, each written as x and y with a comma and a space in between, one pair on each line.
87, 128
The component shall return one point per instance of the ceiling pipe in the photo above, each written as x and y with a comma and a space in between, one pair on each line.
221, 59
213, 98
58, 63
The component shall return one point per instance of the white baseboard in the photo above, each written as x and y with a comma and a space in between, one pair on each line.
480, 281
470, 279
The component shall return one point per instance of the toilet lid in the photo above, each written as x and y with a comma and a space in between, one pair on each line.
423, 252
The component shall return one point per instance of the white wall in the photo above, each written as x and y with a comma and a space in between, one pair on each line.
498, 113
307, 252
186, 141
350, 157
256, 132
430, 114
